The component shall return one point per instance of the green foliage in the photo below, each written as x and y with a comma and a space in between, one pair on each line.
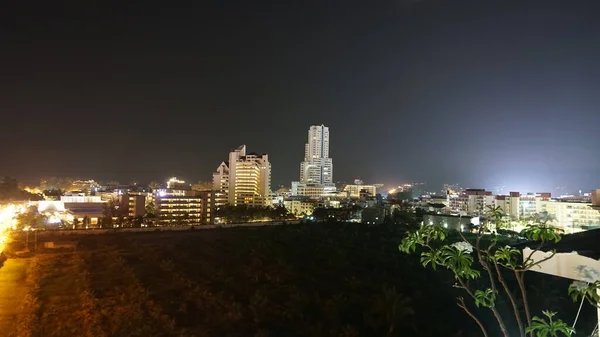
549, 328
541, 232
507, 257
432, 257
582, 290
470, 256
486, 298
497, 215
422, 237
459, 261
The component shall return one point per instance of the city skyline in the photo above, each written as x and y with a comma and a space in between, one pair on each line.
485, 94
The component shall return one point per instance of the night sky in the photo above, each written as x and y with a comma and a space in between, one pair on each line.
482, 93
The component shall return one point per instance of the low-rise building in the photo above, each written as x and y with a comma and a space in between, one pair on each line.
360, 191
313, 191
136, 204
572, 217
455, 222
88, 210
181, 205
521, 206
299, 207
471, 201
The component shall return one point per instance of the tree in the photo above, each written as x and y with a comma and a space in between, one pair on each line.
9, 190
53, 183
150, 210
30, 218
154, 185
320, 214
202, 186
109, 211
85, 222
76, 223
479, 265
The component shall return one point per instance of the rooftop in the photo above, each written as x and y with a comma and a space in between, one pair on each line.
584, 243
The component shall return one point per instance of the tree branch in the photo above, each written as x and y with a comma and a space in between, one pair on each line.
526, 268
520, 280
492, 284
464, 307
513, 301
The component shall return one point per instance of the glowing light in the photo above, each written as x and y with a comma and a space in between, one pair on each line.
392, 191
7, 222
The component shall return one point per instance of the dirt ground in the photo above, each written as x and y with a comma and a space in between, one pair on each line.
14, 285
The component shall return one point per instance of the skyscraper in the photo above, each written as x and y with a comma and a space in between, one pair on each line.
244, 179
317, 167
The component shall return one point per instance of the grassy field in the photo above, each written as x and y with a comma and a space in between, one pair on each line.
297, 280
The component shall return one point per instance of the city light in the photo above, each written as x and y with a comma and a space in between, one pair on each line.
7, 222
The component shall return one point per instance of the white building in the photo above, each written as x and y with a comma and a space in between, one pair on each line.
471, 201
521, 206
572, 217
244, 179
299, 207
314, 191
354, 191
317, 167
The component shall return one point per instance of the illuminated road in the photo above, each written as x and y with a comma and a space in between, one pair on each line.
13, 276
13, 288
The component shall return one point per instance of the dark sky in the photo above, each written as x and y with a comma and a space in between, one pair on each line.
482, 92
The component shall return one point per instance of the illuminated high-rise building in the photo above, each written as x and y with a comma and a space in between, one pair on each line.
244, 179
317, 167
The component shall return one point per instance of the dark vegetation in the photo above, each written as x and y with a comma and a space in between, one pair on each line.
298, 280
10, 191
244, 213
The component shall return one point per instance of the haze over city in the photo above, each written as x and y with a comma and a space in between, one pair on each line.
481, 93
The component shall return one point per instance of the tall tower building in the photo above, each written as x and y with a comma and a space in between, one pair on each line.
317, 167
244, 179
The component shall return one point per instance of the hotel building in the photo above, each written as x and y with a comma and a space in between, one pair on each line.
243, 180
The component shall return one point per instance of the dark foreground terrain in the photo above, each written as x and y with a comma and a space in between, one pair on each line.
297, 280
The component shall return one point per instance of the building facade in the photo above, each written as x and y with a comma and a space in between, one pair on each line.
317, 167
299, 207
471, 201
572, 217
136, 204
182, 206
521, 206
244, 180
355, 191
314, 191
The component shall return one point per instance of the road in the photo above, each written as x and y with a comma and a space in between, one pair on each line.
13, 288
